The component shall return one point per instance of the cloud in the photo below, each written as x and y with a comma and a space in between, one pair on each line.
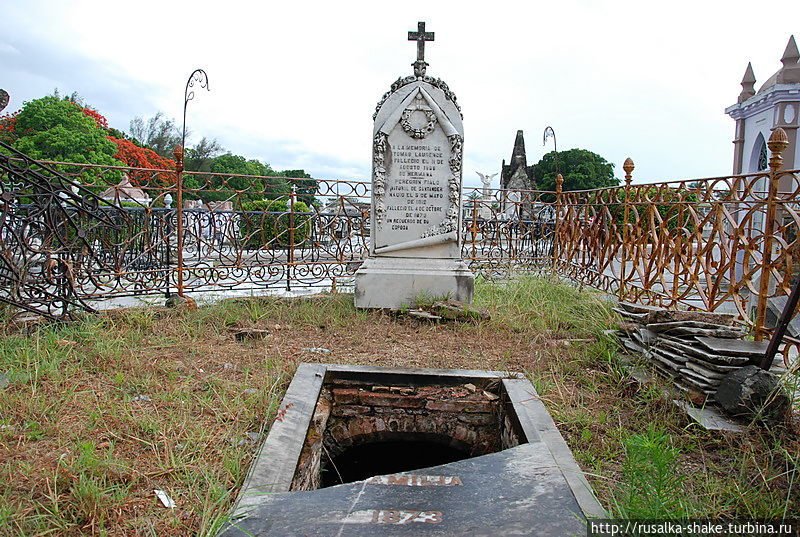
37, 68
296, 84
8, 49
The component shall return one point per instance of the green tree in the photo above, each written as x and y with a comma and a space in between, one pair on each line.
581, 169
159, 133
306, 185
54, 129
673, 210
201, 157
226, 181
73, 97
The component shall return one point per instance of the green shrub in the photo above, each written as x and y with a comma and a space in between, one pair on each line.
265, 223
672, 206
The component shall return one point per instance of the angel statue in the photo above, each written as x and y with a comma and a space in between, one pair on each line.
486, 179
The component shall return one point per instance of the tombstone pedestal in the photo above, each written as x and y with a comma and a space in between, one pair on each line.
415, 220
395, 282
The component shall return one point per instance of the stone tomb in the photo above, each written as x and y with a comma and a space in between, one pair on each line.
371, 451
415, 234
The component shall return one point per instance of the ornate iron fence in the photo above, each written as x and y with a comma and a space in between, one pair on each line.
726, 243
72, 234
121, 227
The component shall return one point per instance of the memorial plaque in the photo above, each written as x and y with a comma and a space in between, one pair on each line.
417, 152
417, 157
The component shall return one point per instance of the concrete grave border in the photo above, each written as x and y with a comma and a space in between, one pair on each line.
274, 465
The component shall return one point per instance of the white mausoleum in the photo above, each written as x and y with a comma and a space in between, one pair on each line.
775, 104
757, 114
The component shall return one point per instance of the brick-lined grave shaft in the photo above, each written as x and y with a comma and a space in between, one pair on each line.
466, 417
512, 466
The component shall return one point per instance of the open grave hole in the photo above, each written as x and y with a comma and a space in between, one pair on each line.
367, 425
434, 451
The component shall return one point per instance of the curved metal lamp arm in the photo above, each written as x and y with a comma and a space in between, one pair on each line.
200, 78
548, 132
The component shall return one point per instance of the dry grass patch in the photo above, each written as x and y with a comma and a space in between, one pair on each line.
100, 413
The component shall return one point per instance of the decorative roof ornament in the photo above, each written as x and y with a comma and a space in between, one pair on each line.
790, 72
420, 36
748, 84
517, 170
791, 54
518, 154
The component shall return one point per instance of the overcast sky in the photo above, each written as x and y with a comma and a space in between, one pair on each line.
295, 83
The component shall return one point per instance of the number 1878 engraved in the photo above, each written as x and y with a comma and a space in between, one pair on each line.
399, 516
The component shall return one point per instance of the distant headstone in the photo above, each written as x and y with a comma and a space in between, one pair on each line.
4, 98
417, 150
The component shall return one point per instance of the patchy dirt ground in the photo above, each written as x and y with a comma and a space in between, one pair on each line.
100, 414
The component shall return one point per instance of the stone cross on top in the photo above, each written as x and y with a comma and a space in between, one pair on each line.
420, 36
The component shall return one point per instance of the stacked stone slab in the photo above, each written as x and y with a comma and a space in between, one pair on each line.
694, 349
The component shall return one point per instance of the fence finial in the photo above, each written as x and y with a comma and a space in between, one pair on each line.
559, 183
778, 141
748, 84
628, 166
177, 152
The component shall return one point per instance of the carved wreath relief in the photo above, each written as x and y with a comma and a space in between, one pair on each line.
410, 129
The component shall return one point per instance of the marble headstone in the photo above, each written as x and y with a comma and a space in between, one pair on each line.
417, 149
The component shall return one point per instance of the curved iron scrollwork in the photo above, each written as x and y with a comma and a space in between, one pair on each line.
47, 225
199, 78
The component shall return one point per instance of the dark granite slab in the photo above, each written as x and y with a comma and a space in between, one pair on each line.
714, 366
734, 347
638, 308
520, 491
693, 328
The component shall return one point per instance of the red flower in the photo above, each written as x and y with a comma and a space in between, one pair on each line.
101, 121
8, 127
141, 157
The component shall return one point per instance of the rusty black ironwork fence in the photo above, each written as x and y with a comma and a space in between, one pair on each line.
719, 244
74, 235
114, 232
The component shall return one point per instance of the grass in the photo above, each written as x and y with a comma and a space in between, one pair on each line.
652, 485
100, 413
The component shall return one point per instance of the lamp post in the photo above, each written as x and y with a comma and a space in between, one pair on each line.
549, 132
200, 78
